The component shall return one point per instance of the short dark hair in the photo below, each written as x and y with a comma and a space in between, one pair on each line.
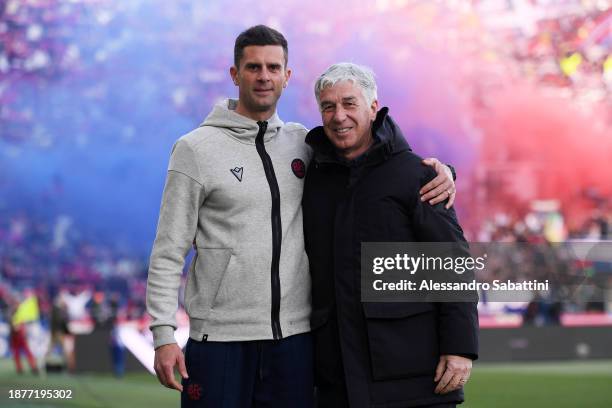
259, 35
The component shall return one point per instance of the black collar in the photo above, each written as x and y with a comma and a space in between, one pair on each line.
388, 140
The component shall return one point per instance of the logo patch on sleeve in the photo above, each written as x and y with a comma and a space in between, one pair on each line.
298, 167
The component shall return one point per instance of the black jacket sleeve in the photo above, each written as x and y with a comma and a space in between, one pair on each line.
458, 321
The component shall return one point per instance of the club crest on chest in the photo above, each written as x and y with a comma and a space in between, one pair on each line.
237, 172
298, 167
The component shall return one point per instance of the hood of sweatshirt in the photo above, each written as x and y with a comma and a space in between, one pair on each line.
388, 140
241, 128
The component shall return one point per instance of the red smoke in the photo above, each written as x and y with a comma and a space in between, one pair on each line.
548, 149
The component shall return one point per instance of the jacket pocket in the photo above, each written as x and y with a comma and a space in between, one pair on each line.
205, 279
402, 339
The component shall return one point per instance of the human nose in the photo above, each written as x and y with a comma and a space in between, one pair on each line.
339, 115
264, 75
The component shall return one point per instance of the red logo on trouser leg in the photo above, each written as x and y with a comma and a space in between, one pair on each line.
194, 392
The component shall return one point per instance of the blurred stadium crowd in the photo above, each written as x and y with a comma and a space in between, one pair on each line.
563, 46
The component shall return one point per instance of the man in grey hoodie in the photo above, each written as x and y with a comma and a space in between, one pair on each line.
233, 191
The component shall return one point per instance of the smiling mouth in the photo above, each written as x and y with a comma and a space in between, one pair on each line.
341, 131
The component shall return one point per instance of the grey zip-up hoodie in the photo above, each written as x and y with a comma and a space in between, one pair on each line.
234, 191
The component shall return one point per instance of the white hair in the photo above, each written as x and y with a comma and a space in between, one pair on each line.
347, 71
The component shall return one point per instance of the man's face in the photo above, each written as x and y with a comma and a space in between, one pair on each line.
261, 77
347, 118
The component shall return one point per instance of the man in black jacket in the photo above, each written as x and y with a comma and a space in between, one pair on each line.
363, 186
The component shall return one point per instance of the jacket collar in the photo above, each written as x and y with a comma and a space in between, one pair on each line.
241, 128
388, 140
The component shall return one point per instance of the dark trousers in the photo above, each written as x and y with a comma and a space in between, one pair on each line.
249, 374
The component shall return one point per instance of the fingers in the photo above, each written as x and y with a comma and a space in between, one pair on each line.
458, 381
166, 357
444, 381
431, 162
425, 191
464, 379
451, 200
452, 190
170, 380
181, 366
452, 385
440, 369
162, 374
456, 374
159, 375
441, 192
157, 366
441, 187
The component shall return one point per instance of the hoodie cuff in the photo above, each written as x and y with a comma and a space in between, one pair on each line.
162, 335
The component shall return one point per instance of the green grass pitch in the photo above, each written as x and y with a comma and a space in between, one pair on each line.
559, 385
